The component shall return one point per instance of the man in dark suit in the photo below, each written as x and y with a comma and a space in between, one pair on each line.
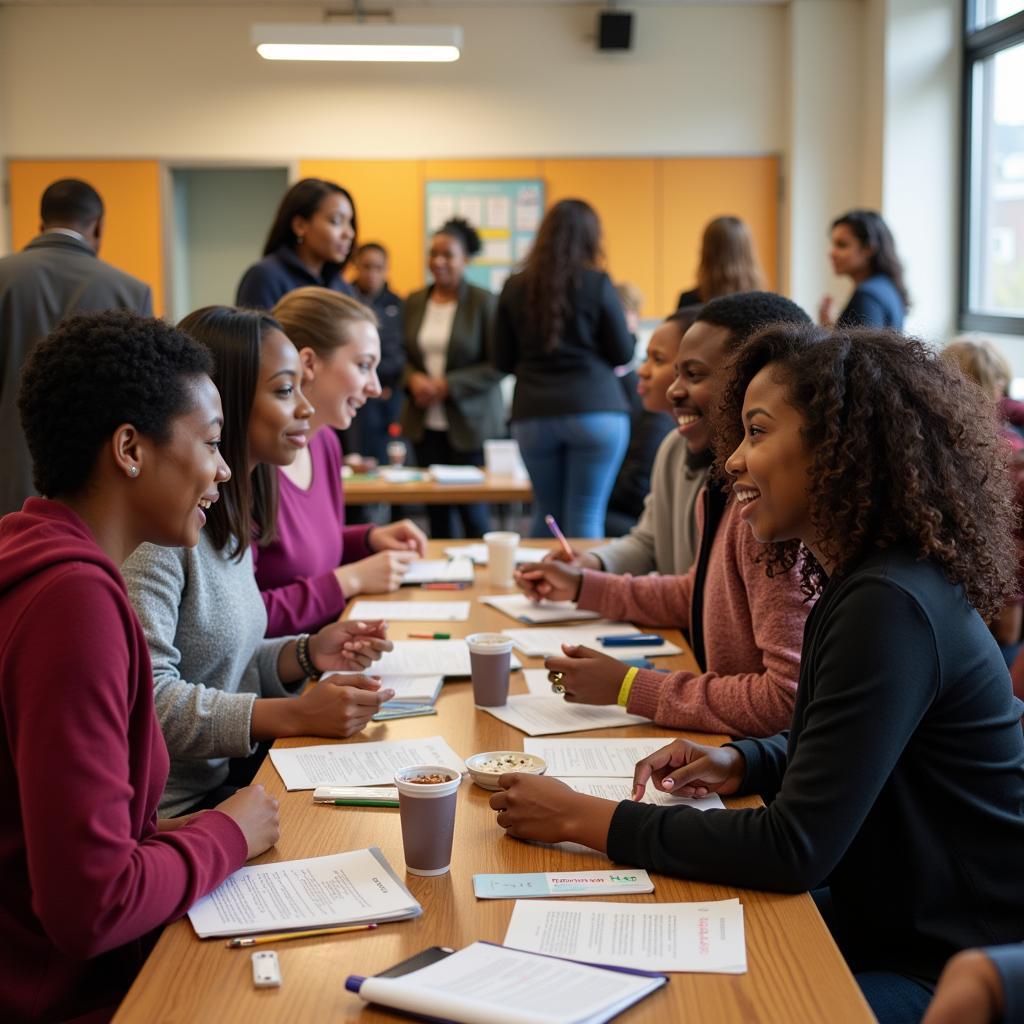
55, 275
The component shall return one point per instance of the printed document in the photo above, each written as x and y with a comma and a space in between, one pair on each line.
589, 758
543, 715
522, 609
537, 643
410, 611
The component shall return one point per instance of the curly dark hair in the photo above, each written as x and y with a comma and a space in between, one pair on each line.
94, 372
904, 452
464, 233
743, 313
568, 242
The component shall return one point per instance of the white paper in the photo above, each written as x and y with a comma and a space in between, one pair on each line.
536, 643
590, 758
498, 213
706, 937
427, 657
537, 682
478, 553
497, 250
440, 570
621, 789
505, 986
343, 888
543, 715
410, 689
439, 210
443, 474
472, 208
522, 609
359, 764
411, 611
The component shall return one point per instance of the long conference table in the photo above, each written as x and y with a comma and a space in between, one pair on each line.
795, 971
498, 490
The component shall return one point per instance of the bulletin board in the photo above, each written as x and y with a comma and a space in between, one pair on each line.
506, 213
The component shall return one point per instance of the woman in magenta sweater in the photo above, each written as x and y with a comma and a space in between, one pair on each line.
123, 424
314, 562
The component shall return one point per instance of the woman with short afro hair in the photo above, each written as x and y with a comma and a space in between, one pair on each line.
123, 424
898, 790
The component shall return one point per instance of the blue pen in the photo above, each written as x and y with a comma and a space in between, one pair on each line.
632, 640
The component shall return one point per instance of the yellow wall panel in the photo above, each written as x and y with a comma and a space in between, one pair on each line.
623, 194
389, 205
133, 236
455, 170
696, 190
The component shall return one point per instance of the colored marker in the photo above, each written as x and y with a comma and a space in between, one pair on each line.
444, 586
632, 640
430, 636
559, 536
365, 803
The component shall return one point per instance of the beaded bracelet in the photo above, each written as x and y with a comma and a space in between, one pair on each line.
303, 658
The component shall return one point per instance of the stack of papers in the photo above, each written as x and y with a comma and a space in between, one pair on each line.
621, 789
478, 553
457, 474
705, 937
439, 570
547, 714
345, 888
400, 475
594, 759
449, 658
537, 643
409, 689
411, 611
359, 764
522, 609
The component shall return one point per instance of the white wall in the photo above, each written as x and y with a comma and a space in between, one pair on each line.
184, 81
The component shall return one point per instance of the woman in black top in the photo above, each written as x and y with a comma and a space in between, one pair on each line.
869, 467
309, 243
561, 330
864, 251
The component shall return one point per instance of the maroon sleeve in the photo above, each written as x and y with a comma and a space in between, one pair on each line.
90, 766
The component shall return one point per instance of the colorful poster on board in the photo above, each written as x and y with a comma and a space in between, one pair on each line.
506, 213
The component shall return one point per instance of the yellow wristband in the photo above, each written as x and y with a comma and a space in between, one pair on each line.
627, 685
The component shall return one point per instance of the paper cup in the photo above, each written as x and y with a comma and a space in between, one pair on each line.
427, 811
490, 660
501, 557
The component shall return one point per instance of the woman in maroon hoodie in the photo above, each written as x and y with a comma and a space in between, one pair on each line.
123, 424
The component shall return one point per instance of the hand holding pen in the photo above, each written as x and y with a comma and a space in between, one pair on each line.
550, 581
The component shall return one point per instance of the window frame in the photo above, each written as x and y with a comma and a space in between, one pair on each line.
979, 44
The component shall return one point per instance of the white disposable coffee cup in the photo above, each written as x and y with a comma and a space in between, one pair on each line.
501, 557
427, 812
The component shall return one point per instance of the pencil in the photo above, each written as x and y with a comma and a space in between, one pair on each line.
365, 803
260, 940
559, 536
430, 636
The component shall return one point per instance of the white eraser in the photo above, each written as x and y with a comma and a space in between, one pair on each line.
266, 971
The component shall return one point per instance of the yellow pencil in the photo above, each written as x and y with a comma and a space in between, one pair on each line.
259, 940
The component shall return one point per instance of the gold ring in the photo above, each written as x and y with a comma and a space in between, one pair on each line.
555, 679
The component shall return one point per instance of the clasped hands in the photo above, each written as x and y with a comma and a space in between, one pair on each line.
425, 390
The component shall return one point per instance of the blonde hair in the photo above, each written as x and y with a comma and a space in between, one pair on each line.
319, 318
982, 362
630, 296
728, 263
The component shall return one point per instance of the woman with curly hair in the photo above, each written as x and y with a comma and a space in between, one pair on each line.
898, 789
561, 330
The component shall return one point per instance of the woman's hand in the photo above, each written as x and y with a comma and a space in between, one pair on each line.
404, 535
421, 389
548, 811
582, 560
690, 769
379, 574
255, 812
589, 677
337, 706
551, 581
348, 646
970, 991
825, 312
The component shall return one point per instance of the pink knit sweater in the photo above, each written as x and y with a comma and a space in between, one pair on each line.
753, 630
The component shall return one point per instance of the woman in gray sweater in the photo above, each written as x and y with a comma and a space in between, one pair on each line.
220, 687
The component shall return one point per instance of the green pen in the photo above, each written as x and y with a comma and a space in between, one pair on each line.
365, 803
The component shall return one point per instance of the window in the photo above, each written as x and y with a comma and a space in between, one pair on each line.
992, 279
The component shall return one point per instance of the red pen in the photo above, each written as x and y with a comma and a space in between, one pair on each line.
444, 586
559, 536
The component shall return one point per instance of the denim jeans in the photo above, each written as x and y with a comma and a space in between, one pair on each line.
572, 461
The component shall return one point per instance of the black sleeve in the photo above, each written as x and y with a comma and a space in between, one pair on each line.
614, 341
506, 347
255, 290
392, 352
633, 484
867, 696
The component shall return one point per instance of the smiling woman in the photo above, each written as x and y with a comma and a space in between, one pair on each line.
220, 686
123, 423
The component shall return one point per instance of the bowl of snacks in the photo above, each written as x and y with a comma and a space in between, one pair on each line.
488, 767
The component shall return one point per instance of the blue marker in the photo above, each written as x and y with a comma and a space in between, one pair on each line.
632, 640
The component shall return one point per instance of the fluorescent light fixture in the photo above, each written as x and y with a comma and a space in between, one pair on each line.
311, 41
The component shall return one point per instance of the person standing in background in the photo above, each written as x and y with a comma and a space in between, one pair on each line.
728, 263
55, 275
864, 251
454, 403
560, 329
310, 240
368, 434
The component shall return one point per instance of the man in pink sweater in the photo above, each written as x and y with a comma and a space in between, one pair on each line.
744, 627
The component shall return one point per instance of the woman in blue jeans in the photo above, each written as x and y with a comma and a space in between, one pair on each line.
561, 330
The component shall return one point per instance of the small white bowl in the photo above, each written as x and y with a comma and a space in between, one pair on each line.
485, 775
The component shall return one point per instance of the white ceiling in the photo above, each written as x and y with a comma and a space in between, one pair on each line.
343, 6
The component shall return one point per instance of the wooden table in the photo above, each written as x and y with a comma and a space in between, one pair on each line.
795, 972
494, 490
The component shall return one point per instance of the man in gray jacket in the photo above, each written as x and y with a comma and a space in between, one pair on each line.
55, 275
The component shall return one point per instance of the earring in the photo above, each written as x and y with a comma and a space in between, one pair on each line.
134, 470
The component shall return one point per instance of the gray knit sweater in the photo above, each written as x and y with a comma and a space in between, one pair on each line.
665, 538
204, 622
